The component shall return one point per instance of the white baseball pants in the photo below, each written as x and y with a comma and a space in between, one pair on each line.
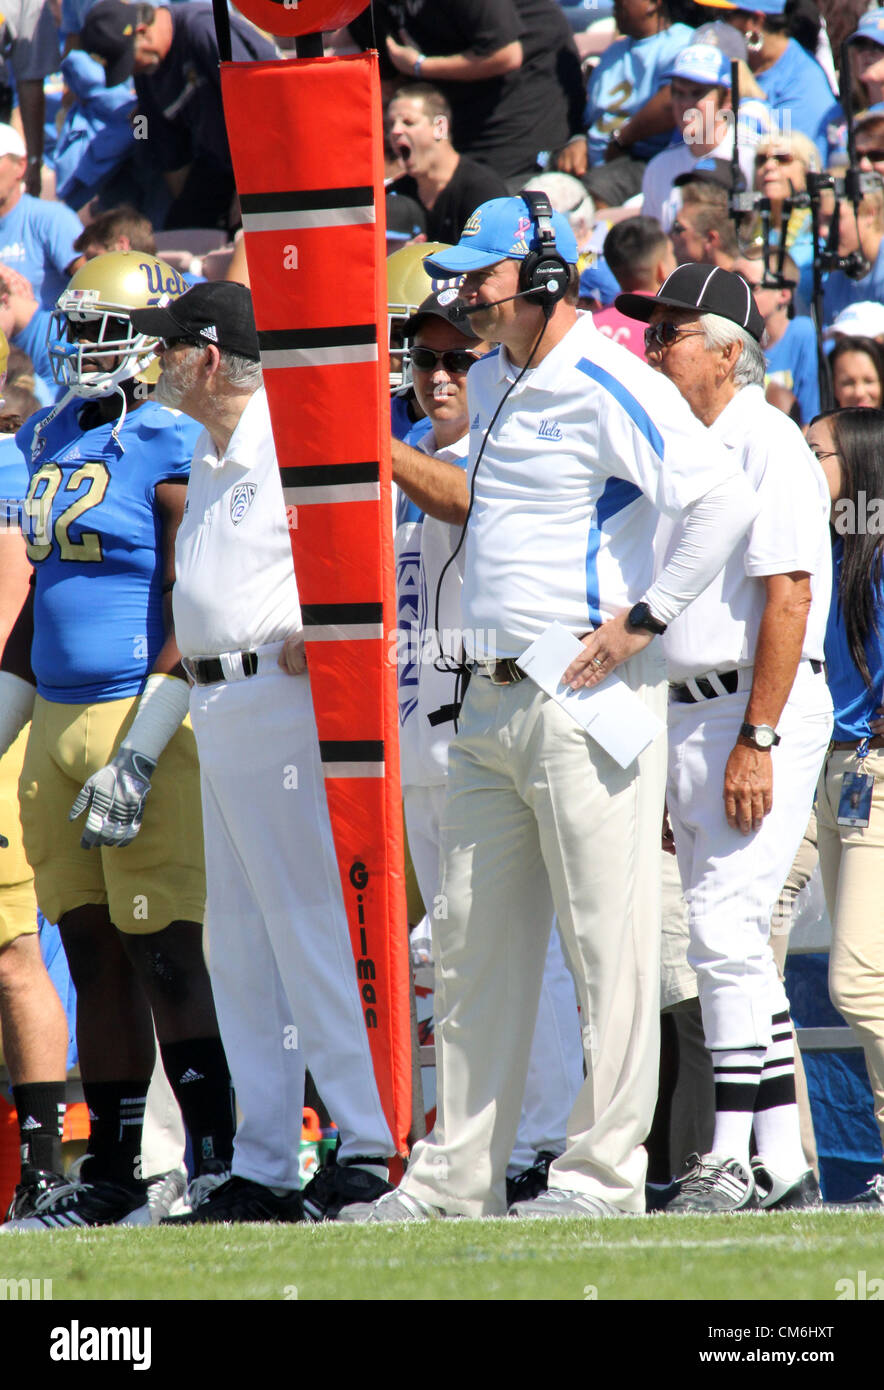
732, 881
539, 819
280, 959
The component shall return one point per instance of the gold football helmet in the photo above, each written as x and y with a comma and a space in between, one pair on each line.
408, 285
92, 344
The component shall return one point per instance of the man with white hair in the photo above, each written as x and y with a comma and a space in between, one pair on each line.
750, 719
282, 967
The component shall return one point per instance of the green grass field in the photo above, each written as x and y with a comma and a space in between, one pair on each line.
759, 1256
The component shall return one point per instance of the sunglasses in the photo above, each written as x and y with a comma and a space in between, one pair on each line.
762, 159
873, 156
663, 335
454, 360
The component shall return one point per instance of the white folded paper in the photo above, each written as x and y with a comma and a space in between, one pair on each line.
610, 712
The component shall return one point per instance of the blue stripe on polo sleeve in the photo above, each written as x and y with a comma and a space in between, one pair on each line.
636, 412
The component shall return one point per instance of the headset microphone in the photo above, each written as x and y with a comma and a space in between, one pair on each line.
463, 311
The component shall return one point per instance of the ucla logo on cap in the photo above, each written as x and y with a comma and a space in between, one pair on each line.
473, 224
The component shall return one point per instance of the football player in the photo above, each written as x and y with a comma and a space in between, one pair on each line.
108, 470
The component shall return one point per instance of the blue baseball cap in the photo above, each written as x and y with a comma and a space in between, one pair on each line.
599, 282
702, 63
871, 26
499, 230
750, 6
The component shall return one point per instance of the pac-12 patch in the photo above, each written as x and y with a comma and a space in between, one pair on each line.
240, 500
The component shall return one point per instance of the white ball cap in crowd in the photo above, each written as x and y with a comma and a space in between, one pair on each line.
11, 142
862, 320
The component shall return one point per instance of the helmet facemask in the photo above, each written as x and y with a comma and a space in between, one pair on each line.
93, 347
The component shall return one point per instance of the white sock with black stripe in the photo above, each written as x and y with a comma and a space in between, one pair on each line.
737, 1077
777, 1125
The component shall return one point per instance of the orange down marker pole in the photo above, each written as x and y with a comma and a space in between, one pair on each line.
306, 141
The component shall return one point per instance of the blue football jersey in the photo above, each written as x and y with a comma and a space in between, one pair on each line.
93, 535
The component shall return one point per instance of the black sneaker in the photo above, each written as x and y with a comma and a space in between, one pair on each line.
35, 1183
78, 1204
777, 1194
240, 1199
342, 1184
524, 1187
871, 1196
714, 1183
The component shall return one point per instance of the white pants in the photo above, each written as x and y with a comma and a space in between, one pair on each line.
732, 881
555, 1067
280, 959
538, 818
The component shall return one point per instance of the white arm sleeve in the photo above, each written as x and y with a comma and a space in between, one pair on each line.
710, 530
16, 706
164, 702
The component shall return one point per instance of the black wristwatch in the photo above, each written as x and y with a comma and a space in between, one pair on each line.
761, 736
641, 617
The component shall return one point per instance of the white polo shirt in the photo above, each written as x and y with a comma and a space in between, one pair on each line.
235, 583
719, 630
590, 448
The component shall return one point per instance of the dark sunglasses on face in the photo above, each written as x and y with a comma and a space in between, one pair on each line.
762, 159
453, 359
873, 156
664, 334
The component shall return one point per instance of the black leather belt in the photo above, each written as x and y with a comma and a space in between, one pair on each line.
683, 695
207, 670
499, 672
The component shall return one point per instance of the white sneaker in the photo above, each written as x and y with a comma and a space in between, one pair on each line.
561, 1202
163, 1191
199, 1190
393, 1206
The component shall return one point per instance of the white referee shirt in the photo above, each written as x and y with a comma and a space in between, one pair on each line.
719, 630
590, 448
235, 583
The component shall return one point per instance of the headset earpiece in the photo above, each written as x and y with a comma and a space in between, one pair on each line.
543, 272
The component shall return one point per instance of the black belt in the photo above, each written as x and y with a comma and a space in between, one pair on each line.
207, 670
683, 695
499, 672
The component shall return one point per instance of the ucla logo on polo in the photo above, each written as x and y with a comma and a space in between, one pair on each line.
548, 429
240, 501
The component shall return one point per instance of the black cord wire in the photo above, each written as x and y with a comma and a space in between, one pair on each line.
445, 662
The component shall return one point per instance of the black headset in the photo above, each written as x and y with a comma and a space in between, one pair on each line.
543, 272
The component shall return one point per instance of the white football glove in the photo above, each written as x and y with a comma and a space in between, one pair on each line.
116, 793
115, 798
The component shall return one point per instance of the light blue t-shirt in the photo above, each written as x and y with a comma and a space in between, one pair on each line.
33, 340
799, 90
630, 71
37, 239
792, 363
855, 704
839, 290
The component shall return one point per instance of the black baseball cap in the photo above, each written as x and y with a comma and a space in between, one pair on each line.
108, 35
219, 312
444, 305
707, 289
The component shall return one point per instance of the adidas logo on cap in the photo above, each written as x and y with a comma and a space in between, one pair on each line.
211, 333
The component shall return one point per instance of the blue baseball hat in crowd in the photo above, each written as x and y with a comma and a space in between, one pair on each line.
499, 230
702, 63
871, 26
750, 6
599, 282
